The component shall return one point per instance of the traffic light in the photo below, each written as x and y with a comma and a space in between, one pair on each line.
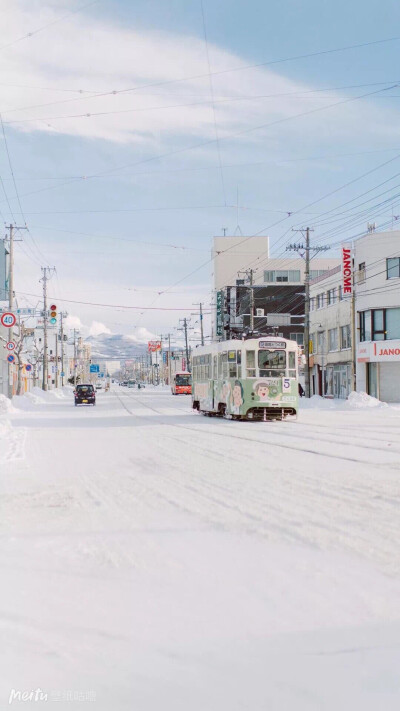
53, 314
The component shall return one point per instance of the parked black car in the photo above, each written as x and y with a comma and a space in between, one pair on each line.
85, 394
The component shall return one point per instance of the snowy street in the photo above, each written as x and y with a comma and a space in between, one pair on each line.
158, 559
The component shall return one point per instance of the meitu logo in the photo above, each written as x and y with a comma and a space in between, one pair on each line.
37, 695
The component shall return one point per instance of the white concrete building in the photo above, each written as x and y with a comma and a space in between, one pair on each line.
234, 254
331, 359
377, 283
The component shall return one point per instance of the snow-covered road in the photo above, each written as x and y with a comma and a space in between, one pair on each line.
156, 559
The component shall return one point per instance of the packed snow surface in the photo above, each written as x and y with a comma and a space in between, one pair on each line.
153, 559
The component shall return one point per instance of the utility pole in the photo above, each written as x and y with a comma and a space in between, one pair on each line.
75, 363
307, 249
47, 273
200, 305
185, 329
62, 315
11, 294
56, 360
250, 276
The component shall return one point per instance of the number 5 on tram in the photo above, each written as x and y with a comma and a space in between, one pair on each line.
254, 379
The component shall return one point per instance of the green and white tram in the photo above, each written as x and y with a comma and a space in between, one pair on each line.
253, 379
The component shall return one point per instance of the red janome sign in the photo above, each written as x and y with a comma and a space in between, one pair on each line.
347, 281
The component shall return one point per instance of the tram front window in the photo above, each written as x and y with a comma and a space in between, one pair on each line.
271, 364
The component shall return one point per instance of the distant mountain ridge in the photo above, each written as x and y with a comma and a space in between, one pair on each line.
115, 346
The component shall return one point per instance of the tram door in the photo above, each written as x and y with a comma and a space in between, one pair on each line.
214, 376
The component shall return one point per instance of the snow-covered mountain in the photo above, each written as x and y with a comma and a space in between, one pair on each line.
115, 346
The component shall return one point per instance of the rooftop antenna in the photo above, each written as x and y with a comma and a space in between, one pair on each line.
237, 212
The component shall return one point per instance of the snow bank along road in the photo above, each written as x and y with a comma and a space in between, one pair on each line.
153, 559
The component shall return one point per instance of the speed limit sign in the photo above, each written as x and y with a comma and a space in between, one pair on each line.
8, 319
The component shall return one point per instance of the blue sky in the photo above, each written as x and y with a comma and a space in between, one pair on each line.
125, 203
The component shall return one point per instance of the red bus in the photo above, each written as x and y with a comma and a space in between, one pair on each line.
181, 384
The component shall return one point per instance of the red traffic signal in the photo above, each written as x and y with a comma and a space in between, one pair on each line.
53, 307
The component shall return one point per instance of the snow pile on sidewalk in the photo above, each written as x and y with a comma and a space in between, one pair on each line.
355, 401
6, 405
316, 402
362, 400
50, 395
27, 401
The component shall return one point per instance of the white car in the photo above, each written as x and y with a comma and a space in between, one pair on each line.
99, 386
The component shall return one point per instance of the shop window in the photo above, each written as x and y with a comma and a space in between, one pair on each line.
345, 337
392, 324
393, 268
333, 339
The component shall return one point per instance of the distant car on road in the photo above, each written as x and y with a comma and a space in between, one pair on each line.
85, 394
99, 386
131, 383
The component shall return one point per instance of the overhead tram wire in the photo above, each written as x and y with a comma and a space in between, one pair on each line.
201, 144
295, 212
49, 24
227, 71
218, 145
174, 106
314, 202
16, 189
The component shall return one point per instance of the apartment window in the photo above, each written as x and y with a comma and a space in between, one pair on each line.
320, 301
331, 297
340, 291
314, 273
361, 273
321, 342
393, 268
345, 337
298, 337
312, 303
392, 324
333, 339
282, 275
365, 326
378, 325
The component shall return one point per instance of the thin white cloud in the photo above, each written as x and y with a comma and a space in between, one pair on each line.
97, 328
110, 57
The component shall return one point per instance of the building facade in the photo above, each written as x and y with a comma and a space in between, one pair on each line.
377, 284
331, 354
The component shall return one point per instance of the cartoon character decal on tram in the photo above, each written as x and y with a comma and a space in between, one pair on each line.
267, 390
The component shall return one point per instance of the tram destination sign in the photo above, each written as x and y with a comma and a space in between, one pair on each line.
272, 344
